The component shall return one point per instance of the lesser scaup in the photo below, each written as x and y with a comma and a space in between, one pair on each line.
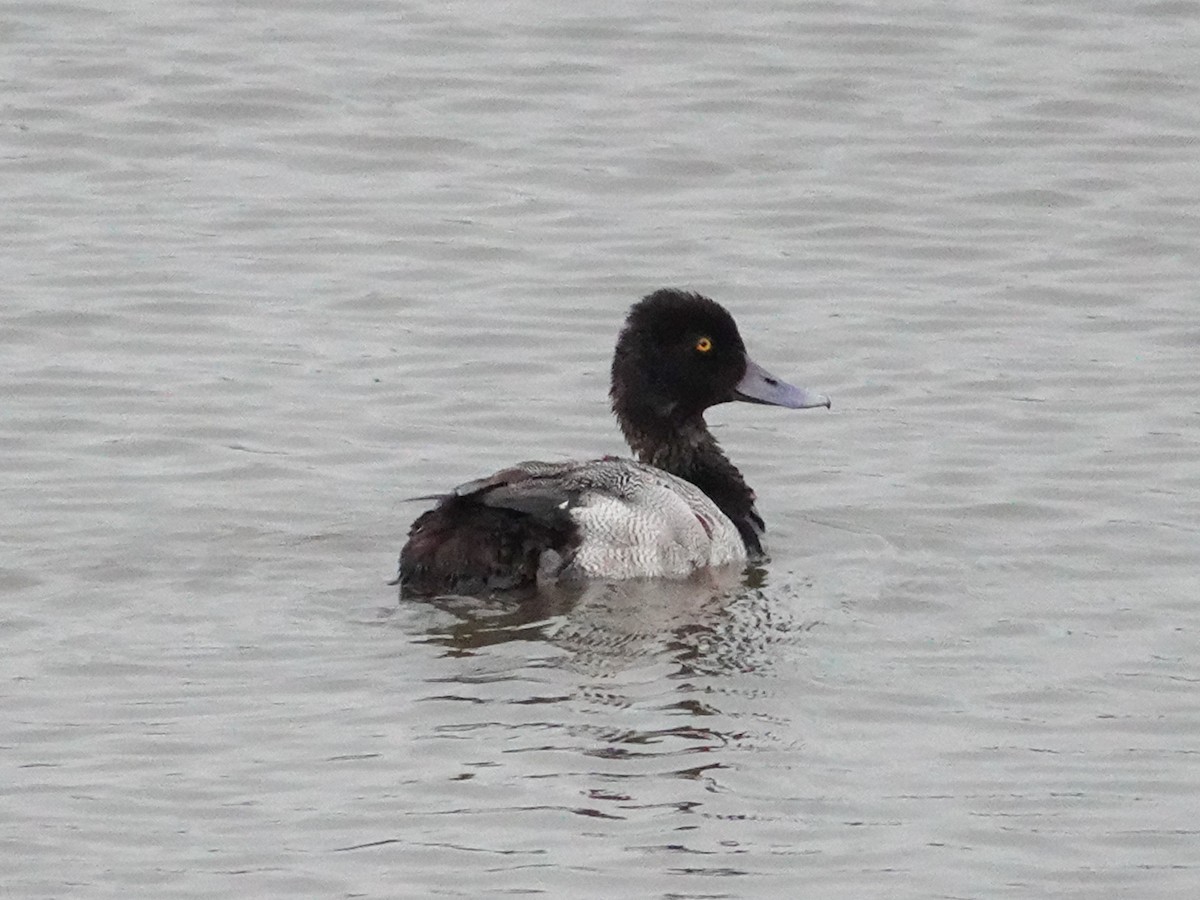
681, 507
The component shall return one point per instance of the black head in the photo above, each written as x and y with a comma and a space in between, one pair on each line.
678, 354
681, 353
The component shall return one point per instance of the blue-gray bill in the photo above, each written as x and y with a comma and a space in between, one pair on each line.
760, 386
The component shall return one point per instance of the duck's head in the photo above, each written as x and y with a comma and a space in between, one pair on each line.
680, 353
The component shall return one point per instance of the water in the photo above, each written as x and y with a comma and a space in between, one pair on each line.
271, 268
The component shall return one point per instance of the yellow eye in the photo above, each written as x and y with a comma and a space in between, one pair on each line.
704, 345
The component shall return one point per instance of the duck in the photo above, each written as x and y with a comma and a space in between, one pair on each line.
678, 508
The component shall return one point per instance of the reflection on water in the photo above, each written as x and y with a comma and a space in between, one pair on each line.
615, 670
625, 703
474, 623
718, 621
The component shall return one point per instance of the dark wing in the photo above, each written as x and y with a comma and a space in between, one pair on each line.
492, 533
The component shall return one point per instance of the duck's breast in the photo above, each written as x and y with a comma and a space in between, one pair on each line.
640, 522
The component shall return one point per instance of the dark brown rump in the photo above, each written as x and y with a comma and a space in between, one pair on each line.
464, 547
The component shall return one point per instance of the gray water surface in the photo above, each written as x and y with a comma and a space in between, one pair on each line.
270, 268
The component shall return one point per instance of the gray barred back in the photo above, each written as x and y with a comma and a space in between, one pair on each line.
634, 520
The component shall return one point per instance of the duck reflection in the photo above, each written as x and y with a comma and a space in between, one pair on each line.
623, 700
717, 621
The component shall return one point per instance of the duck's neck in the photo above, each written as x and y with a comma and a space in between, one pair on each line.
689, 451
